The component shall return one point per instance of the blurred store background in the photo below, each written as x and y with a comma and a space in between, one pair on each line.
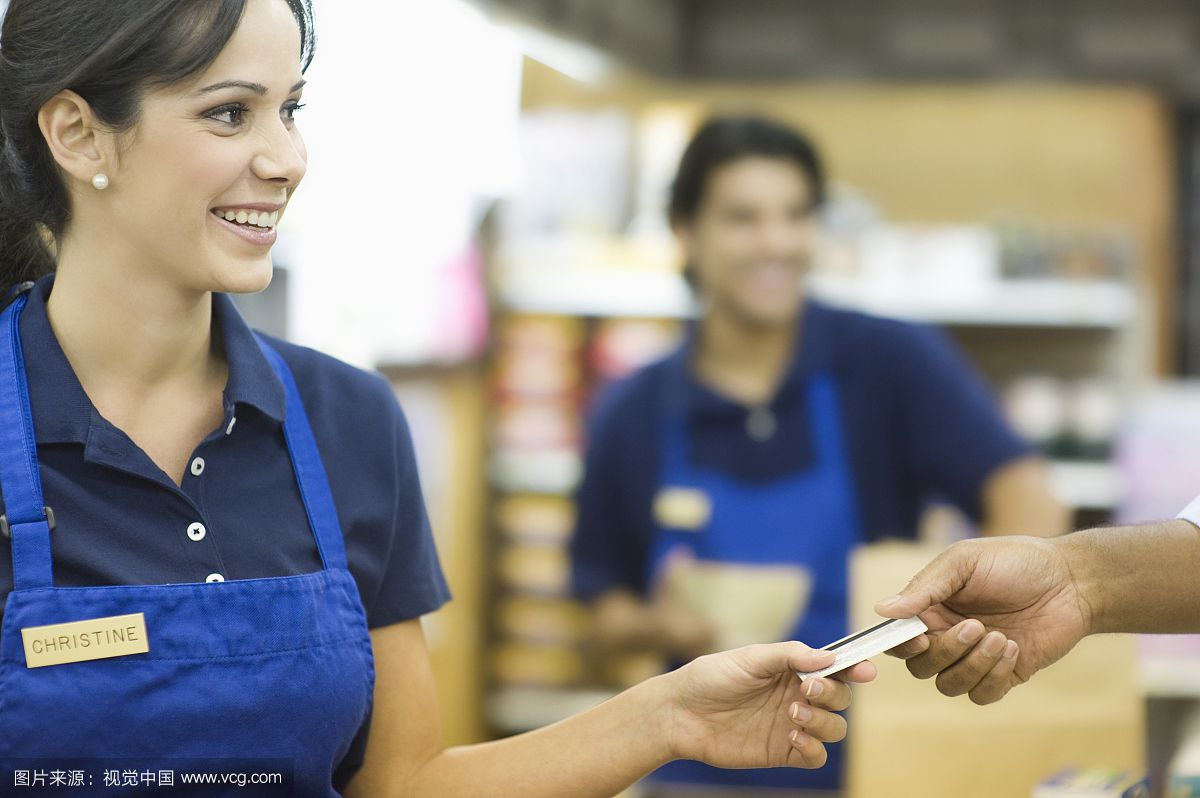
483, 221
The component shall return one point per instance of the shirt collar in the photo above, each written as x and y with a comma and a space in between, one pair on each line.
815, 351
252, 381
62, 411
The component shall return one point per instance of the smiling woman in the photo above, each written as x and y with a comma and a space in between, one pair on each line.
160, 49
266, 580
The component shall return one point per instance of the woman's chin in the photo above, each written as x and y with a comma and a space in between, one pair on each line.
250, 279
771, 311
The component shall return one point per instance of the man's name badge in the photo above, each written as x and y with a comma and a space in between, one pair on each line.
79, 641
682, 508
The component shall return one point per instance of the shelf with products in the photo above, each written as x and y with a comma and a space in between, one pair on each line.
1160, 456
543, 373
554, 472
1086, 485
1171, 676
1010, 302
534, 431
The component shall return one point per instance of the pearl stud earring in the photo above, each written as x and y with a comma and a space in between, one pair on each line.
100, 181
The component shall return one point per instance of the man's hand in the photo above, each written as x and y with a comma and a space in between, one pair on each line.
998, 611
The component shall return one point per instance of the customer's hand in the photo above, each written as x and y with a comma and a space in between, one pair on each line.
746, 708
998, 611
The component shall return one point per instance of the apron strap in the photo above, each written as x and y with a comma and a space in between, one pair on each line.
25, 514
674, 397
310, 471
825, 419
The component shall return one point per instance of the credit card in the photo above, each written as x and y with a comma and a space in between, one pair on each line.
868, 643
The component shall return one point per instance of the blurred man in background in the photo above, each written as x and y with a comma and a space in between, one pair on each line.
727, 484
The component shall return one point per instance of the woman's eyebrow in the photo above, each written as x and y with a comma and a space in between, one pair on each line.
257, 88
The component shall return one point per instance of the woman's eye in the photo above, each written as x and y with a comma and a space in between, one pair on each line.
289, 111
231, 115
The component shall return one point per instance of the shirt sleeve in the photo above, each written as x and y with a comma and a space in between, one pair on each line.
609, 545
1191, 512
956, 435
410, 580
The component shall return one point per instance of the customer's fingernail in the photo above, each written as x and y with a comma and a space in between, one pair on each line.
887, 602
1010, 651
801, 713
970, 633
798, 739
993, 645
814, 688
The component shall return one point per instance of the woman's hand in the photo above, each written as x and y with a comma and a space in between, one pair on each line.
746, 708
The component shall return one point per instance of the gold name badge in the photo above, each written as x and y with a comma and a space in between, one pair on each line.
79, 641
682, 508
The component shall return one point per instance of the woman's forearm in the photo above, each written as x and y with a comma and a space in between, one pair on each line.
596, 753
743, 708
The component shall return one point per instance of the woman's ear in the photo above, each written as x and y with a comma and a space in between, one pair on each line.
683, 234
80, 145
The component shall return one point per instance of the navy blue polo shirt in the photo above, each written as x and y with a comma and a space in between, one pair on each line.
122, 520
918, 423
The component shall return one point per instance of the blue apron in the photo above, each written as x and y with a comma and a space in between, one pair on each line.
275, 669
808, 519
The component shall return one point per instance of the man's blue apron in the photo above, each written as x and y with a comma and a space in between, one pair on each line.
808, 519
270, 669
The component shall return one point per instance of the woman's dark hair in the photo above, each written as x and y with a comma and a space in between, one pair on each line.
109, 52
724, 139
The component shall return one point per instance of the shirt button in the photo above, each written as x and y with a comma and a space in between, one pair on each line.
761, 424
198, 466
232, 421
197, 531
214, 578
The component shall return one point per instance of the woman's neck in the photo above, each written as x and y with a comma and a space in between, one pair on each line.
131, 337
743, 361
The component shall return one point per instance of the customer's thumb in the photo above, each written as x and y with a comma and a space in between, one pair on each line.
936, 582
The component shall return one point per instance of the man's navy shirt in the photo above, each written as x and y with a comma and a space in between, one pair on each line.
121, 520
919, 425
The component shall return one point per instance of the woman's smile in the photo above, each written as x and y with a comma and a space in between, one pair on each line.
254, 223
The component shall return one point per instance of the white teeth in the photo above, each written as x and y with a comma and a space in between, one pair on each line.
256, 218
